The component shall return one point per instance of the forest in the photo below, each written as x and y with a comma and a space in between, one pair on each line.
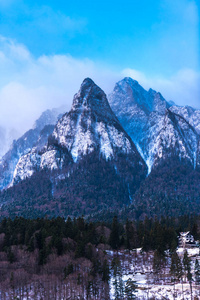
64, 259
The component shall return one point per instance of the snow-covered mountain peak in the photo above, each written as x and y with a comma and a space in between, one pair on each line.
130, 93
129, 81
148, 118
128, 85
90, 126
92, 98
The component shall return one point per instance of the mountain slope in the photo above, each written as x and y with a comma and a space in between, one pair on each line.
89, 126
154, 126
177, 138
168, 138
36, 137
88, 164
189, 114
141, 113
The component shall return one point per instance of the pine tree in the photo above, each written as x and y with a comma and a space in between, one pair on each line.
114, 235
105, 271
176, 269
187, 269
176, 266
158, 261
197, 272
118, 282
128, 246
130, 289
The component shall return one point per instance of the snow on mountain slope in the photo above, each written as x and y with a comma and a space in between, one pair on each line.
37, 136
146, 117
140, 112
176, 138
189, 114
198, 156
89, 126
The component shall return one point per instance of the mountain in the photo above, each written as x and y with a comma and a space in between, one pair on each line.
36, 137
88, 164
156, 128
168, 139
190, 114
138, 156
89, 126
141, 113
177, 138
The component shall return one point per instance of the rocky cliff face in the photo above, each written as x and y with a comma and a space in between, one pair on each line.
141, 113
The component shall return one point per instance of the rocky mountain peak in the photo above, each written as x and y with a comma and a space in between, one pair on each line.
128, 86
89, 127
34, 138
130, 93
130, 81
92, 99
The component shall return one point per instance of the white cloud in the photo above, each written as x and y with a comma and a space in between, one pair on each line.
30, 85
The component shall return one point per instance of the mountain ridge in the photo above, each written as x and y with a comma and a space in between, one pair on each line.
97, 154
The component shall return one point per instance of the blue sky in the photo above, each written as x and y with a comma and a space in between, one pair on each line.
52, 45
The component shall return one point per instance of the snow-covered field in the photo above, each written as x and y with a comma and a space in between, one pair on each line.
138, 266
